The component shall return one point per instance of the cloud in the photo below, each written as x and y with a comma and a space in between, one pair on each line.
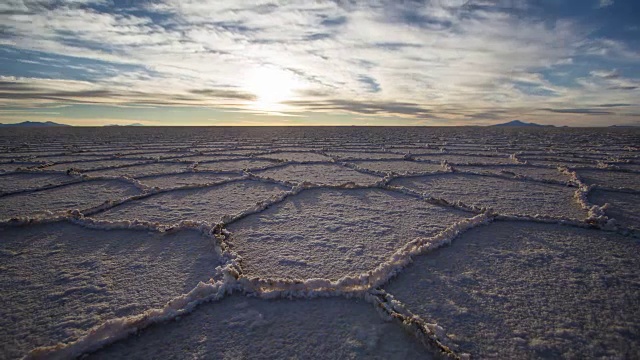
580, 111
422, 59
30, 91
366, 108
605, 3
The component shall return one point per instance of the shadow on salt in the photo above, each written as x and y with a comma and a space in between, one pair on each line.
511, 197
240, 327
207, 204
61, 279
517, 290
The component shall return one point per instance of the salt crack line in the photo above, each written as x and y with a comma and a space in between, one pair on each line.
152, 191
350, 285
119, 328
429, 334
459, 205
596, 214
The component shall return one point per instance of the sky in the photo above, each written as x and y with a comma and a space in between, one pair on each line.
214, 62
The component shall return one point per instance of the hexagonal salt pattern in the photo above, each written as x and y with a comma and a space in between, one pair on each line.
24, 181
611, 179
59, 280
332, 233
203, 204
522, 290
239, 327
296, 156
512, 289
235, 165
399, 166
519, 171
322, 174
503, 195
144, 170
187, 179
82, 195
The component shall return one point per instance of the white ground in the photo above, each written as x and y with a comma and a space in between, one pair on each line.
503, 195
79, 196
522, 290
332, 233
245, 328
324, 174
207, 204
59, 280
319, 243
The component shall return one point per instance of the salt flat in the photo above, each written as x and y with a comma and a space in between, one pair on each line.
319, 242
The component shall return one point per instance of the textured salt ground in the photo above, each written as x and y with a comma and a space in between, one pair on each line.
244, 152
559, 162
8, 167
627, 166
23, 181
514, 197
296, 156
416, 150
69, 158
548, 174
463, 159
207, 158
364, 155
235, 165
90, 165
525, 290
83, 195
144, 170
247, 328
325, 174
59, 280
205, 204
623, 207
332, 233
399, 166
159, 155
176, 180
610, 179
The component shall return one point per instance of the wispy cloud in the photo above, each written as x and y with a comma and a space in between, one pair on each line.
423, 60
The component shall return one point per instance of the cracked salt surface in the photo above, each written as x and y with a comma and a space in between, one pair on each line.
143, 170
610, 179
220, 252
525, 290
399, 166
332, 233
23, 181
503, 195
205, 204
296, 156
81, 196
176, 180
65, 279
522, 171
90, 165
326, 174
235, 165
623, 207
240, 327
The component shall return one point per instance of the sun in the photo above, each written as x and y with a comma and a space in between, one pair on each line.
271, 86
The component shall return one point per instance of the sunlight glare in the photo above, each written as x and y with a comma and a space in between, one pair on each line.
271, 86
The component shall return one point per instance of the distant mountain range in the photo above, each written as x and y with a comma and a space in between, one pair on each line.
34, 124
518, 123
134, 124
624, 126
